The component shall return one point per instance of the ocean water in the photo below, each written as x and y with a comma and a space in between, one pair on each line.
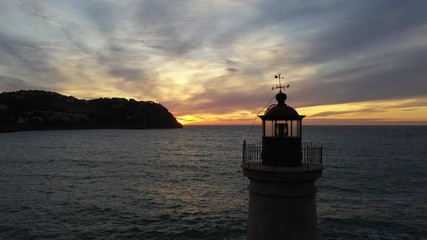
187, 183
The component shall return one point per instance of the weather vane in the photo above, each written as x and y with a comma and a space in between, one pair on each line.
280, 87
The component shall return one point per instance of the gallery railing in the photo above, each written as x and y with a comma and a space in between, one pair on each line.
311, 154
252, 153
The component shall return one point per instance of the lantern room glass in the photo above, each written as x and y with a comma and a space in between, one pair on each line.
282, 128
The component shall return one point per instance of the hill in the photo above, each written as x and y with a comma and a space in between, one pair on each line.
43, 110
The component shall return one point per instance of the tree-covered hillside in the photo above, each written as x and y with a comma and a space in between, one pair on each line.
39, 110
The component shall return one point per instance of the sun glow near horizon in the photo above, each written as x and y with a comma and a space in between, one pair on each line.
358, 113
375, 112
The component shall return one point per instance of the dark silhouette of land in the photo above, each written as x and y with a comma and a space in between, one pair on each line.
43, 110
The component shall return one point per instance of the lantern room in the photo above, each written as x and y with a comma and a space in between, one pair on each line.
281, 140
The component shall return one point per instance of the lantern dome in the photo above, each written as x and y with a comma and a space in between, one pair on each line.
281, 110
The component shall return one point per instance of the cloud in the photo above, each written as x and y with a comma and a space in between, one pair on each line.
232, 70
344, 113
128, 74
401, 77
217, 56
334, 29
28, 60
11, 84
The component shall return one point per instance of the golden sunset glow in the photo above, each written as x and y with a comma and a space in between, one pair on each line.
374, 112
370, 112
236, 118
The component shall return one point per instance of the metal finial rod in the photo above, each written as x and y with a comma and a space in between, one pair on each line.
280, 87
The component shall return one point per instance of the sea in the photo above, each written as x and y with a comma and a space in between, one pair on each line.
188, 184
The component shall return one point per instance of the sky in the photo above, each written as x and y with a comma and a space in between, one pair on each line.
213, 61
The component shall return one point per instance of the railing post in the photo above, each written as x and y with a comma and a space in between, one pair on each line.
244, 151
321, 156
250, 154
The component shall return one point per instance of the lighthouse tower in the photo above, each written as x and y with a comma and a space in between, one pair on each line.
282, 173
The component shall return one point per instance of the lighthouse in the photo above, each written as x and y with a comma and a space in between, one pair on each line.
282, 171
